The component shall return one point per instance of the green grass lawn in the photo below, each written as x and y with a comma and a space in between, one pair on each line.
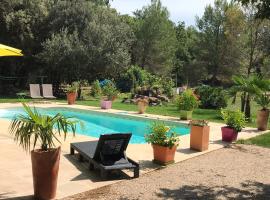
261, 140
167, 110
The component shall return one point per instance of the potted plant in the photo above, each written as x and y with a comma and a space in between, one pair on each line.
263, 100
32, 129
142, 104
71, 92
199, 135
164, 143
110, 93
187, 102
235, 121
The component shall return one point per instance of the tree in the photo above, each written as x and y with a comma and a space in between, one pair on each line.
86, 42
185, 70
154, 48
220, 47
262, 6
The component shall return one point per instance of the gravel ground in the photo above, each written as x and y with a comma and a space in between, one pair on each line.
236, 172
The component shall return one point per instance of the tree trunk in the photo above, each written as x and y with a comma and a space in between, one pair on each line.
247, 108
243, 102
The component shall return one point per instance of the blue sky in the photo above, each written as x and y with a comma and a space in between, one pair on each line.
180, 10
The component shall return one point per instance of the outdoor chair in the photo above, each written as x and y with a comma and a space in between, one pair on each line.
47, 91
35, 91
106, 154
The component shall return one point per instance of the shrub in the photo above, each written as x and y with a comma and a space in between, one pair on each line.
234, 119
187, 101
211, 97
160, 135
109, 90
95, 89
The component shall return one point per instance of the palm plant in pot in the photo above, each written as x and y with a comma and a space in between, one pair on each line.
32, 129
199, 135
263, 100
235, 121
71, 92
110, 93
186, 103
164, 143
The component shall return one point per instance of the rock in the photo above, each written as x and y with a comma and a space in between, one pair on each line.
164, 98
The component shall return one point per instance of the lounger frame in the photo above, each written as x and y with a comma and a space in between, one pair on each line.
93, 163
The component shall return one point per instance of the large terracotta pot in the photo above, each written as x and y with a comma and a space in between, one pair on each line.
228, 134
105, 104
199, 137
163, 155
71, 97
262, 119
45, 166
142, 107
185, 115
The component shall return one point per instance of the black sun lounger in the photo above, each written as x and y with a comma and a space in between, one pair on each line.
106, 154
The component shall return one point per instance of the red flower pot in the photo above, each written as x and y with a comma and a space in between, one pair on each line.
163, 155
106, 104
228, 134
45, 166
71, 97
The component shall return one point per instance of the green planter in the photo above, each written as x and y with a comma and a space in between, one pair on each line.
185, 115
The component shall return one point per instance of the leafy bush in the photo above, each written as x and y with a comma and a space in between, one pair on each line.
161, 135
136, 77
234, 119
187, 101
211, 97
95, 89
109, 90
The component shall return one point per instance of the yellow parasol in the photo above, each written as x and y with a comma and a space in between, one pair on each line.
9, 51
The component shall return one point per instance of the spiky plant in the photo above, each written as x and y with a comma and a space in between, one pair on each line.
33, 127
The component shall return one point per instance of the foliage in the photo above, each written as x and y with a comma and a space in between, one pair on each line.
34, 127
263, 100
211, 97
198, 123
154, 48
137, 78
95, 89
219, 44
160, 135
71, 88
234, 119
262, 6
109, 90
187, 101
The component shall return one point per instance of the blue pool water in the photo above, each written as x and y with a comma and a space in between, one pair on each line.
96, 123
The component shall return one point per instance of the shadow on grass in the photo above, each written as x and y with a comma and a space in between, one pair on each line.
248, 190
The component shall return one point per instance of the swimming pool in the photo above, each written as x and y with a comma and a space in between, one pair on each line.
96, 123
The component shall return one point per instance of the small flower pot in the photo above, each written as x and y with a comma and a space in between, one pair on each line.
71, 97
262, 119
142, 107
163, 155
185, 115
106, 104
45, 167
228, 134
199, 138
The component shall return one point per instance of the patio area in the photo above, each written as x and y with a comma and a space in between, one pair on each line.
74, 176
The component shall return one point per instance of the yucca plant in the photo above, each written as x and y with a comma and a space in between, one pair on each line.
34, 127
